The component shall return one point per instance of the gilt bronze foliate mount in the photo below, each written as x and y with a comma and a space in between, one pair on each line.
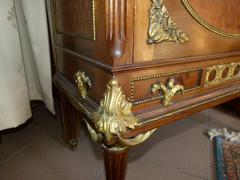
162, 28
83, 82
168, 91
113, 118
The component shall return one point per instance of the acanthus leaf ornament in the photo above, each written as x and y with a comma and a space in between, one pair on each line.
162, 27
114, 115
113, 118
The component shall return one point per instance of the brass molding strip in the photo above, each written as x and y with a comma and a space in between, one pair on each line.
160, 96
166, 115
147, 100
143, 78
94, 18
206, 24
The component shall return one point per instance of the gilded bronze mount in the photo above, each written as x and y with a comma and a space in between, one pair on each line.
162, 28
168, 90
114, 118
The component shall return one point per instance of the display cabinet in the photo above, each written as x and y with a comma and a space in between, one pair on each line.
128, 67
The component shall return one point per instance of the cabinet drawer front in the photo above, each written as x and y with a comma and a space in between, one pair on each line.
141, 87
161, 86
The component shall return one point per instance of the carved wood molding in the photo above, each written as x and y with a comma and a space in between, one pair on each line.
116, 26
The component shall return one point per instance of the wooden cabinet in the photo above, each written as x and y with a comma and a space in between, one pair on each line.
130, 67
191, 18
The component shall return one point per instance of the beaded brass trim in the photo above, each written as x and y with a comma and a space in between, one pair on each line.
94, 18
147, 100
206, 24
154, 77
166, 115
160, 96
219, 77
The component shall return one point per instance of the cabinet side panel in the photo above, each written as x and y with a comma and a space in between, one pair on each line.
75, 18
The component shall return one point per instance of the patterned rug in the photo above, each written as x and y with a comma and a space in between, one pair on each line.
227, 153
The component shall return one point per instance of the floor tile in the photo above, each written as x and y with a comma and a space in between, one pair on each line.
177, 151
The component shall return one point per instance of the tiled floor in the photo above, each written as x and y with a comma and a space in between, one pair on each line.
180, 151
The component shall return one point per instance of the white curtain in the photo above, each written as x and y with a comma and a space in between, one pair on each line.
25, 71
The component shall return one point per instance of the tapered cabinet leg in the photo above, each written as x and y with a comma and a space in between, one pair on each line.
71, 120
115, 161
